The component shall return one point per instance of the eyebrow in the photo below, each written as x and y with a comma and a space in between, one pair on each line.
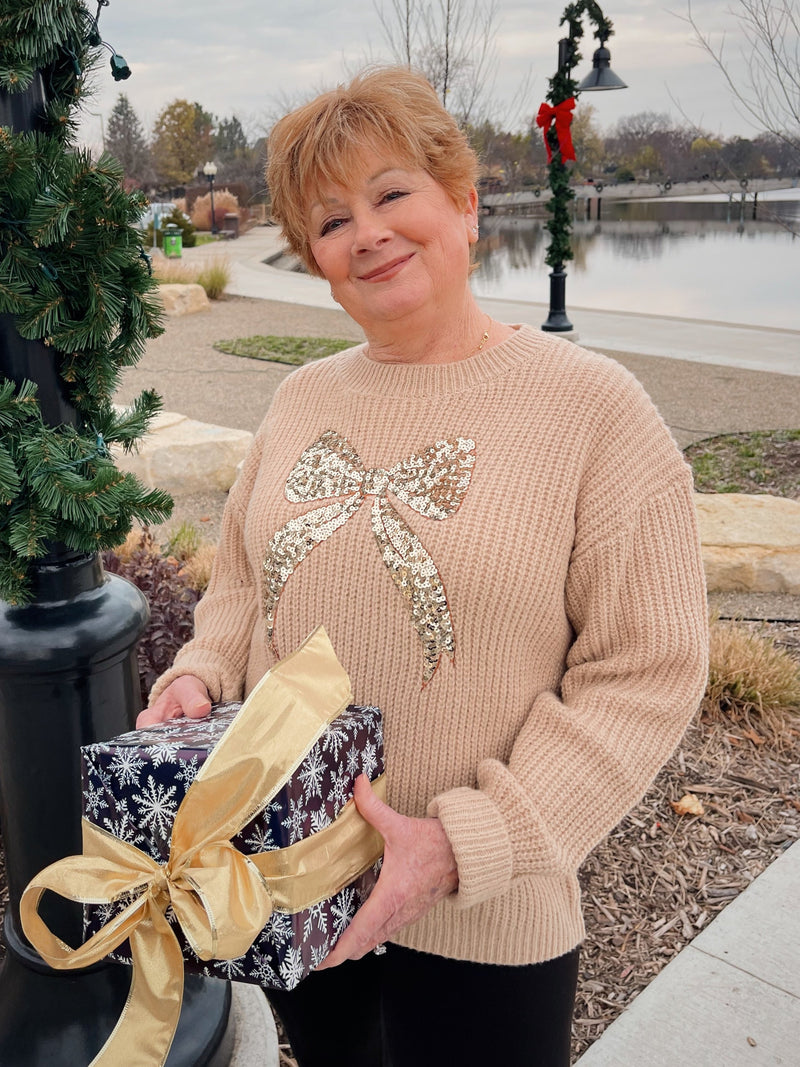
332, 200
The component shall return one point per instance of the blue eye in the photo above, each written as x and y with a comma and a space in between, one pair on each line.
394, 194
331, 224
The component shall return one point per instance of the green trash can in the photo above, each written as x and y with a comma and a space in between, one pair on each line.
173, 241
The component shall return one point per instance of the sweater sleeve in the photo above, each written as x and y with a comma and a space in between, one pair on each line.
634, 677
226, 614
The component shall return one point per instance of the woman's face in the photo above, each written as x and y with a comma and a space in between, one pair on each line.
392, 242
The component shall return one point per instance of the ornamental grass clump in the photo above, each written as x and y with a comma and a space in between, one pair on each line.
213, 274
752, 683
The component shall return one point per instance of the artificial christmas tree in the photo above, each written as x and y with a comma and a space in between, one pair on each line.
77, 303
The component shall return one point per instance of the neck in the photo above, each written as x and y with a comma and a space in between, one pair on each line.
430, 337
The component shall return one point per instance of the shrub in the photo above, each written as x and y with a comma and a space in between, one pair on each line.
172, 601
186, 227
224, 203
751, 682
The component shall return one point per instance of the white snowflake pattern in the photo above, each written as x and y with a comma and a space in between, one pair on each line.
260, 838
157, 807
232, 969
343, 908
165, 752
353, 760
127, 766
101, 913
314, 916
318, 953
369, 759
312, 771
123, 826
319, 820
338, 794
291, 968
94, 799
279, 929
335, 737
295, 819
262, 969
189, 770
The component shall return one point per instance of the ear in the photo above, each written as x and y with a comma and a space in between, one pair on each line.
471, 214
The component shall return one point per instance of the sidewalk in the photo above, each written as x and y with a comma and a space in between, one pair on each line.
746, 347
732, 997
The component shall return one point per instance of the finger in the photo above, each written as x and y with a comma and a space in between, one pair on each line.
192, 696
372, 808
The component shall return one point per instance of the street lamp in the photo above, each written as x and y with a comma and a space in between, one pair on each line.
555, 118
210, 170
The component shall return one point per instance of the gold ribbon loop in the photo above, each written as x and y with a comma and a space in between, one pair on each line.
221, 898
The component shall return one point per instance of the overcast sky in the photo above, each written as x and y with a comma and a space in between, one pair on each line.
248, 58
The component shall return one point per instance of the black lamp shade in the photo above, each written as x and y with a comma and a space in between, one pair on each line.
601, 76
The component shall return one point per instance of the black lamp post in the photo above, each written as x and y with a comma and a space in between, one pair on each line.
210, 170
555, 117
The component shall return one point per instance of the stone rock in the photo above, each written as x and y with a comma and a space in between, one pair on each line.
182, 454
183, 299
750, 543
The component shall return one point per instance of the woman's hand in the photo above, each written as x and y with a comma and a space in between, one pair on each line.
187, 696
418, 870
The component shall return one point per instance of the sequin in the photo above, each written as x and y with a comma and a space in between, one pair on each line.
433, 483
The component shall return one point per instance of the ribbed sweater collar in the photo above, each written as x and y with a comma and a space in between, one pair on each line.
367, 377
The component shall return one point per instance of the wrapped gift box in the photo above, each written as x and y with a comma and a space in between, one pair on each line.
133, 785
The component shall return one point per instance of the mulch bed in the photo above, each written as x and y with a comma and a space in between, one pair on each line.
659, 877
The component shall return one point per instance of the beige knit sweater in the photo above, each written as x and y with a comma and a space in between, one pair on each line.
503, 551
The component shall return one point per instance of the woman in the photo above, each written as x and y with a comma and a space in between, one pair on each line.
498, 533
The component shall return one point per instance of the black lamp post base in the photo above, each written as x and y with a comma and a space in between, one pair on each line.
557, 321
55, 1019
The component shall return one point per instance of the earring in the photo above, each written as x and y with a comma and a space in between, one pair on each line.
474, 229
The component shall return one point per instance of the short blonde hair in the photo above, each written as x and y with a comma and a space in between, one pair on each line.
384, 108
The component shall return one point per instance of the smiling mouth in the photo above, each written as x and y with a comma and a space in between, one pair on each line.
388, 270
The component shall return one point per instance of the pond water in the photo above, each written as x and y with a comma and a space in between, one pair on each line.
706, 258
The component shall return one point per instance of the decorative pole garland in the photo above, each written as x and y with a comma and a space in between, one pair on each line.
555, 118
74, 277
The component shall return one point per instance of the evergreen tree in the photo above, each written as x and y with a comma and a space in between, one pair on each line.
230, 141
74, 276
125, 140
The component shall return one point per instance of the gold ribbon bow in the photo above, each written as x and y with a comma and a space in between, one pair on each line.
432, 483
221, 898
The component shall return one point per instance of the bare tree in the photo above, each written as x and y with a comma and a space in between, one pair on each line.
769, 93
451, 42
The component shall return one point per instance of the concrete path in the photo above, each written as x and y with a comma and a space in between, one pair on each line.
747, 347
732, 997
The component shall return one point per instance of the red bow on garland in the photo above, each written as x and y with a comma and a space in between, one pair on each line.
561, 114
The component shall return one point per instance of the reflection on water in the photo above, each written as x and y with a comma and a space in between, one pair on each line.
692, 259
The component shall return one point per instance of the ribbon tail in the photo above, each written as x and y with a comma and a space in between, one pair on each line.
415, 575
146, 1028
290, 546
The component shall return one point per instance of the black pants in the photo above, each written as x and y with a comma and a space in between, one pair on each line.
411, 1009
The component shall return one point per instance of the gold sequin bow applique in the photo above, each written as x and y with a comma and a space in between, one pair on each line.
433, 483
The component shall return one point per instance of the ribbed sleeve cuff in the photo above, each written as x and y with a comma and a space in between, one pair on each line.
200, 666
479, 838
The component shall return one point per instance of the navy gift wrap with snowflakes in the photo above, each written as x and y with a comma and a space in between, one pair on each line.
134, 784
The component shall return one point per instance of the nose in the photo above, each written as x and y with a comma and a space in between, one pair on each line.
369, 231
